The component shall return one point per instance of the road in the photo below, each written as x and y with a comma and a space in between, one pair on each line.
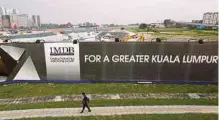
106, 111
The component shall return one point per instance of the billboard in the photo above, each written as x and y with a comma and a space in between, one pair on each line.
17, 63
109, 62
149, 61
62, 61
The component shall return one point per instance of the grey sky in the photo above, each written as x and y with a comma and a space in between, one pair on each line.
113, 11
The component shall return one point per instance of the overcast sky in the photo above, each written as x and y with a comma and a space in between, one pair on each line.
113, 11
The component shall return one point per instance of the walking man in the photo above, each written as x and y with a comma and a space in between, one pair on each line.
85, 102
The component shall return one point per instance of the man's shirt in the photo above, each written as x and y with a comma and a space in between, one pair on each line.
85, 99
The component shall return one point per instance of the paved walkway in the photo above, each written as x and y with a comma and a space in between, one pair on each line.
104, 111
110, 97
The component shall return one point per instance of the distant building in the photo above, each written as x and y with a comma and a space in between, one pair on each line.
156, 25
169, 23
6, 11
87, 24
197, 21
6, 21
11, 11
75, 26
210, 18
10, 18
2, 11
14, 20
1, 23
30, 22
23, 20
14, 11
36, 21
68, 25
191, 25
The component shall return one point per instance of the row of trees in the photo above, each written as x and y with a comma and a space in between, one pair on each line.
167, 23
49, 25
148, 28
87, 24
143, 26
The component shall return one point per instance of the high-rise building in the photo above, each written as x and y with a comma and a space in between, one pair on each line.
10, 18
30, 22
6, 11
210, 18
0, 22
11, 11
6, 21
197, 21
2, 11
36, 20
23, 20
14, 11
14, 20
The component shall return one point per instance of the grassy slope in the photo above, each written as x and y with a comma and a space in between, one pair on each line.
179, 32
159, 29
141, 117
212, 35
28, 90
126, 102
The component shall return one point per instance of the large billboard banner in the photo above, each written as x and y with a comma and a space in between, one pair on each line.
149, 61
62, 61
109, 62
16, 63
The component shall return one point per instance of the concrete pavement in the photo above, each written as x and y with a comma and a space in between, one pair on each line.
106, 111
41, 99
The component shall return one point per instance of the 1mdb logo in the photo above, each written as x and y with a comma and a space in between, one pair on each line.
59, 51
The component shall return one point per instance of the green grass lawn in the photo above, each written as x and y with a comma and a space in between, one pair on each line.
193, 33
180, 33
135, 30
164, 36
29, 90
103, 103
177, 30
140, 117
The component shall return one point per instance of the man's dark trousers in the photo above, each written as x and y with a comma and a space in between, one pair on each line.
85, 105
